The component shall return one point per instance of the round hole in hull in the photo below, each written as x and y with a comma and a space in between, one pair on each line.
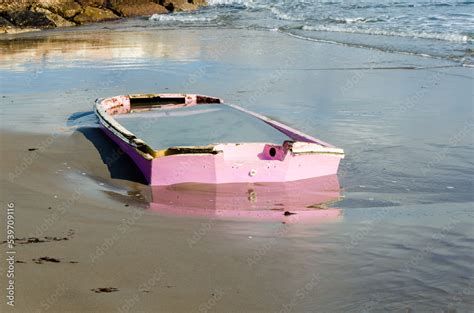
272, 152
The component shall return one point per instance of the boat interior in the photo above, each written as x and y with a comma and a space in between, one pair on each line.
162, 126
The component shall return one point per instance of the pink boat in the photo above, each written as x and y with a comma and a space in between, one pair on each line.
188, 138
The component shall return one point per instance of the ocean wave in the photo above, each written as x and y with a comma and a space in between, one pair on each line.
466, 61
354, 20
388, 21
230, 2
285, 16
405, 5
459, 38
183, 18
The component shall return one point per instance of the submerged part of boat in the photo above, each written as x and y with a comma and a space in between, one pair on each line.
187, 138
298, 201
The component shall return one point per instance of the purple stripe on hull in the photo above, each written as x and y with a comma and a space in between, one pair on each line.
143, 164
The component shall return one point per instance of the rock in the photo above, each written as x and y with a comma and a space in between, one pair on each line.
65, 8
5, 23
70, 9
91, 15
200, 3
179, 5
55, 18
28, 19
136, 7
97, 3
28, 15
6, 6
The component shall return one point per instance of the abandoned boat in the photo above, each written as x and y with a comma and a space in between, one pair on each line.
182, 138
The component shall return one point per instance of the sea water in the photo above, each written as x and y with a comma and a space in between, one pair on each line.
437, 28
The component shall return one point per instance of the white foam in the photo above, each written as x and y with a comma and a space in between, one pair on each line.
356, 20
285, 16
182, 17
229, 2
423, 35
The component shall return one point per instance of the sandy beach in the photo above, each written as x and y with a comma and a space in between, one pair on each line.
87, 240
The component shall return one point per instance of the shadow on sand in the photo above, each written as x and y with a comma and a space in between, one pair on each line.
120, 165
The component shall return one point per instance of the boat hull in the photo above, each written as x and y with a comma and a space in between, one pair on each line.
236, 163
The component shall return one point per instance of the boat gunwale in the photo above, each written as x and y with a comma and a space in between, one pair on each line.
308, 145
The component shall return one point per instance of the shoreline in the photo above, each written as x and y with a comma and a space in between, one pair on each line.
121, 23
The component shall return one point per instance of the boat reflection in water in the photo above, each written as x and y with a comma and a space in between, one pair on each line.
291, 201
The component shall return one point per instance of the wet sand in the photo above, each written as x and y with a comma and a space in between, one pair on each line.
403, 244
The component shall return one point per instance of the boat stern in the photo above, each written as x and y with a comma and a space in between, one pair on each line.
245, 163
